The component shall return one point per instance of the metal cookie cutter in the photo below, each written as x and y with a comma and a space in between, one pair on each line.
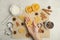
8, 30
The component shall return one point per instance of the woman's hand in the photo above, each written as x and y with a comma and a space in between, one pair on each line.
32, 28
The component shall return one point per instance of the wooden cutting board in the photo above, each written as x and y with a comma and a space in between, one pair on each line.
20, 31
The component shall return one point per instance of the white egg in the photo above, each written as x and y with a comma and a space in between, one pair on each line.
15, 10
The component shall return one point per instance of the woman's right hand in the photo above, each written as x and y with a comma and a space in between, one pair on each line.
33, 30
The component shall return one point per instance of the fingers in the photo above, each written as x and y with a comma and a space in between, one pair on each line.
35, 27
27, 19
28, 26
26, 22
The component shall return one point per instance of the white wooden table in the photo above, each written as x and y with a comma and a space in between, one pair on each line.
55, 16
